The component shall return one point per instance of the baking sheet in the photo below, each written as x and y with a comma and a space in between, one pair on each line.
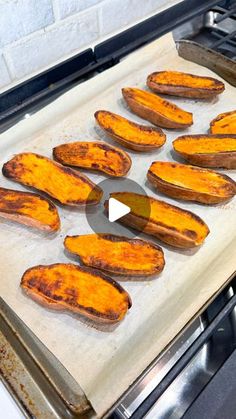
106, 363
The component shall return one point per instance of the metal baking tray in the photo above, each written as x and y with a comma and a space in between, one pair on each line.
39, 383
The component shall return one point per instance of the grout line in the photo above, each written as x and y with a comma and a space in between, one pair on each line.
27, 37
55, 8
9, 66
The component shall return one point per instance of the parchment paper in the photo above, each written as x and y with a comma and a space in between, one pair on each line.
106, 363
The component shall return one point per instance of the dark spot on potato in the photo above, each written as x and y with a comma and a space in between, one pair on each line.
190, 233
95, 166
32, 282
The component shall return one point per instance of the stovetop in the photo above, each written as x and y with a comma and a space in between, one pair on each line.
215, 29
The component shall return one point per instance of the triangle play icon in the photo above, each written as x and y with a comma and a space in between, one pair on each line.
116, 209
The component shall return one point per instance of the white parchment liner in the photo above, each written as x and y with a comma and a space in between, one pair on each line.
105, 364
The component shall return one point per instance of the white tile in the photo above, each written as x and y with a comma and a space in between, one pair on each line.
47, 47
116, 14
19, 18
69, 7
4, 75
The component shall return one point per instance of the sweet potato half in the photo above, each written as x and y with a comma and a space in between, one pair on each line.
176, 83
156, 110
66, 185
71, 288
208, 150
29, 209
191, 183
130, 134
224, 123
94, 155
116, 254
170, 224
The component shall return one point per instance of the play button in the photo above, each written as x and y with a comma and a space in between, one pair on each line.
116, 210
110, 220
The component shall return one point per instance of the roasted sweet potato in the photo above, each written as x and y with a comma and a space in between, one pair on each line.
29, 209
66, 185
224, 123
208, 150
71, 288
170, 224
158, 111
191, 183
176, 83
116, 254
94, 155
129, 134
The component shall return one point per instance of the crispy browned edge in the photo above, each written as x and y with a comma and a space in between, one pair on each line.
179, 192
121, 271
185, 91
89, 312
219, 117
224, 160
166, 234
7, 172
150, 114
127, 162
11, 213
130, 144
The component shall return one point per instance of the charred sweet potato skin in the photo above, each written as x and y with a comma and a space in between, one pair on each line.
130, 134
29, 209
191, 183
170, 224
216, 150
156, 110
94, 155
66, 185
116, 254
187, 85
224, 123
71, 288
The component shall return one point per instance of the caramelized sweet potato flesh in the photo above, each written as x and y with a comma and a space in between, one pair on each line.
66, 185
28, 208
191, 183
80, 290
128, 133
183, 84
116, 254
169, 223
208, 150
225, 123
94, 155
155, 109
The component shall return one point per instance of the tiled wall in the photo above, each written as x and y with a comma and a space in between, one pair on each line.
35, 34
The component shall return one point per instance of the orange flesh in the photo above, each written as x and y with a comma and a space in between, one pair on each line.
177, 78
204, 144
162, 213
191, 177
128, 130
29, 205
93, 155
73, 287
44, 174
124, 255
226, 124
163, 107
